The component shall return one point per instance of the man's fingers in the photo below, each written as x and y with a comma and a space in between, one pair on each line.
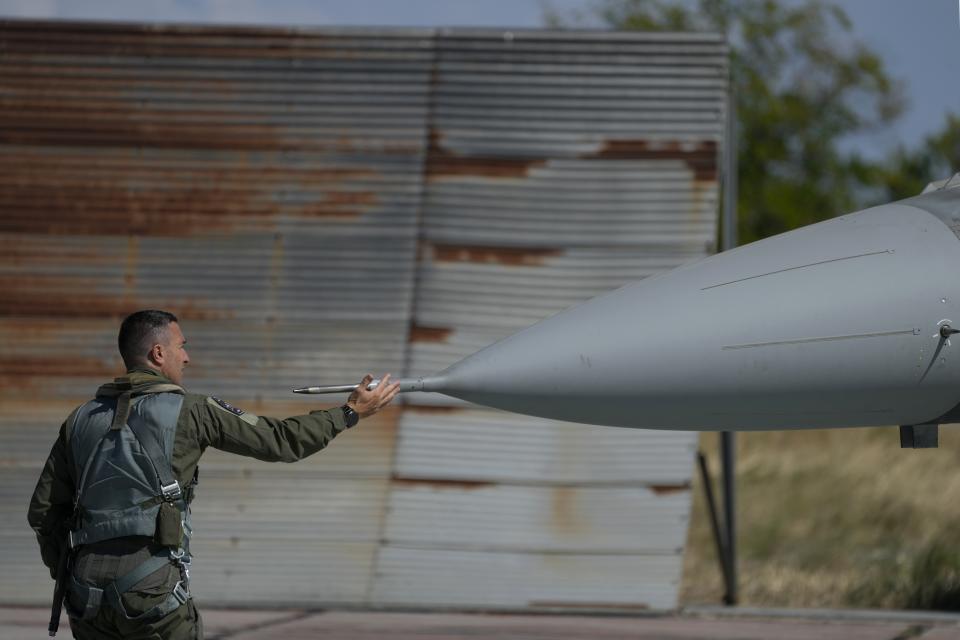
362, 385
392, 392
383, 386
387, 392
371, 401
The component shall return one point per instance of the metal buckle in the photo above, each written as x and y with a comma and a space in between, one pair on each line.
171, 492
182, 559
180, 556
181, 594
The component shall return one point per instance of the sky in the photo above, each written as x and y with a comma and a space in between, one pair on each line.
918, 39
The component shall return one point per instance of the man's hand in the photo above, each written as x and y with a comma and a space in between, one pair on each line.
366, 403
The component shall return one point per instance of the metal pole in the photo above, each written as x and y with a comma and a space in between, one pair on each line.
718, 532
727, 438
727, 449
728, 238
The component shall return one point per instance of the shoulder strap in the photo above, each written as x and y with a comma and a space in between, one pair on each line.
82, 479
122, 411
149, 439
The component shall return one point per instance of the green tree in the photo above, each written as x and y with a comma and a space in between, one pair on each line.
802, 83
908, 171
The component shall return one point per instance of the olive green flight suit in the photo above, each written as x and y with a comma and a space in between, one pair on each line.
203, 422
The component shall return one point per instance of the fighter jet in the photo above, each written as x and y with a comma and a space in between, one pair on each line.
844, 323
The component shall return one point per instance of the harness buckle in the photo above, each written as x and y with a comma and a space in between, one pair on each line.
180, 556
181, 594
171, 492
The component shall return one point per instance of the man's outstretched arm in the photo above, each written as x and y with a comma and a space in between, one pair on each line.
228, 428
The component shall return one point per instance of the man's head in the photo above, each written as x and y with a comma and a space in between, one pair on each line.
153, 339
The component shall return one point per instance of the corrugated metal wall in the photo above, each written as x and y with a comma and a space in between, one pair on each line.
316, 204
560, 166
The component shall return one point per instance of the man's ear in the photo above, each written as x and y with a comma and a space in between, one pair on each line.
156, 354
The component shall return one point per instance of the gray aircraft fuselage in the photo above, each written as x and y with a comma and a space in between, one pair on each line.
837, 324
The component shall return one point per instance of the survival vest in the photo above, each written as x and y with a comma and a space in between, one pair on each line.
122, 448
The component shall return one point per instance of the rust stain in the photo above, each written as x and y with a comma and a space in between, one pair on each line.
110, 212
513, 256
73, 128
435, 483
429, 334
130, 122
701, 157
361, 198
38, 330
237, 42
123, 193
121, 166
172, 212
84, 304
130, 266
66, 366
667, 489
53, 284
31, 79
563, 509
16, 387
340, 204
127, 132
27, 252
443, 163
106, 185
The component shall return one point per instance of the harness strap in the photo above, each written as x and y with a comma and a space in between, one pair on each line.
89, 599
113, 592
122, 411
148, 439
127, 581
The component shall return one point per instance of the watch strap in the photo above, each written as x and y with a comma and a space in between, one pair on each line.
350, 417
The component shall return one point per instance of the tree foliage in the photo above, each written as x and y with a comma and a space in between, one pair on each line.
802, 83
908, 170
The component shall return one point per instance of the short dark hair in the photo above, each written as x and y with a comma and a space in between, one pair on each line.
139, 332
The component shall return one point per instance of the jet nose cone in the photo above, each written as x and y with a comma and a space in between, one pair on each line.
830, 325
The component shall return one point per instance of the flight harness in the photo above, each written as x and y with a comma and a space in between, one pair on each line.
127, 488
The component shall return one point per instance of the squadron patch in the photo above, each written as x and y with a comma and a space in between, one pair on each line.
226, 406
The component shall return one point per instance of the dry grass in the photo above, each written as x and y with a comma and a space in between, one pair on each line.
840, 518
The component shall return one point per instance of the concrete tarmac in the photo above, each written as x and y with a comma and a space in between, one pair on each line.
21, 623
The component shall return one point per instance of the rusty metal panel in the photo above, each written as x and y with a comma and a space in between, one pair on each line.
319, 203
560, 166
471, 290
263, 184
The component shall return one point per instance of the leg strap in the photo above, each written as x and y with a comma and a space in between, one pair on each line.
121, 585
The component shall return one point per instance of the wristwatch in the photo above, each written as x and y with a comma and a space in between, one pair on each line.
350, 416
